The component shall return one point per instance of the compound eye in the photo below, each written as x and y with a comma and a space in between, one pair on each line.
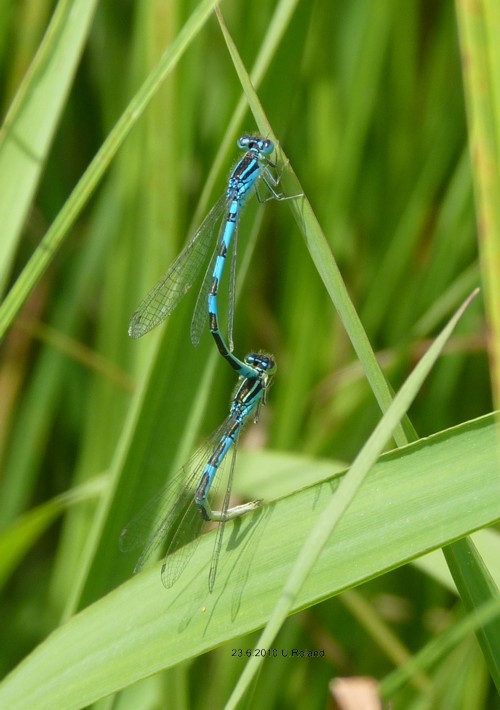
267, 146
244, 141
270, 365
251, 358
261, 362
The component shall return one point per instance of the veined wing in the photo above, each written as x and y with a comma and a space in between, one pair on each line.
172, 505
200, 313
220, 527
166, 294
186, 537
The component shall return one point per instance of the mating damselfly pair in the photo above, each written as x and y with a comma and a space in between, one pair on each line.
184, 504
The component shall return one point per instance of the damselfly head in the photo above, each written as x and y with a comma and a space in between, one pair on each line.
256, 143
262, 362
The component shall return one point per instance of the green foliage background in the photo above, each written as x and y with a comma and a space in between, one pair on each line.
367, 101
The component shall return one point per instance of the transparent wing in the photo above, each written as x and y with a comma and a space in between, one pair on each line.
187, 532
166, 294
201, 309
220, 527
168, 505
175, 509
186, 538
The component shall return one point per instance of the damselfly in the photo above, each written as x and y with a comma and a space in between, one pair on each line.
159, 303
185, 503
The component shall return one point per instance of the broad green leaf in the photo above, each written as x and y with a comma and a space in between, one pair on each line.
414, 500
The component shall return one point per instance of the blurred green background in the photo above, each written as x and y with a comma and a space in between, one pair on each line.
367, 101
